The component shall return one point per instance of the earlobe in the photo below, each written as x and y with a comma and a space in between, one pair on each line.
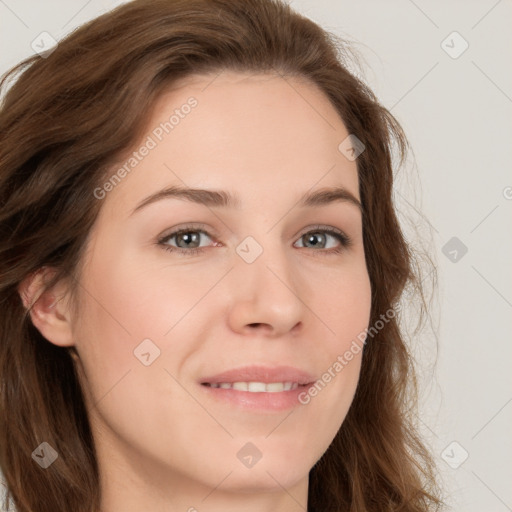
49, 309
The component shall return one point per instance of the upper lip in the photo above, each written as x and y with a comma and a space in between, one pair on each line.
259, 373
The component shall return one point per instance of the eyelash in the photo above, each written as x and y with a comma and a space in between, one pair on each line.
344, 240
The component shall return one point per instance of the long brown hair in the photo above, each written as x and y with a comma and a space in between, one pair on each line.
68, 115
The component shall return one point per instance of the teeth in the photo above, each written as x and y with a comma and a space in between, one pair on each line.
257, 387
276, 387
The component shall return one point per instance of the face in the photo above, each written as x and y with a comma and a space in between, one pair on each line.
206, 321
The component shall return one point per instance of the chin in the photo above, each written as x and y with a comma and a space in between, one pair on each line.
268, 478
281, 465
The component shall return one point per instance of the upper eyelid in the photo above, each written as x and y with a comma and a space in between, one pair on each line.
174, 232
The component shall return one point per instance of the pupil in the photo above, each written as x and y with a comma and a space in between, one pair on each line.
188, 237
311, 239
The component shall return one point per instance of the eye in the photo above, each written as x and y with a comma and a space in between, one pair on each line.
319, 237
187, 241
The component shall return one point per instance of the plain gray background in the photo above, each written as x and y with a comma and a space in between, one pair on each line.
455, 105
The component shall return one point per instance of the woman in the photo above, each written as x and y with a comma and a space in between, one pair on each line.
255, 363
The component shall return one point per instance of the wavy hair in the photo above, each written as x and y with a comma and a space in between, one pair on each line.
66, 118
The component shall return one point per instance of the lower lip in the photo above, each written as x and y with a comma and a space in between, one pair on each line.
258, 401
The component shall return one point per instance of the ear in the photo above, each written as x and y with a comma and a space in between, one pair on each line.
49, 311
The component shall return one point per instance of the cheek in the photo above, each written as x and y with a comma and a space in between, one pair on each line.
118, 314
345, 309
127, 297
344, 304
131, 309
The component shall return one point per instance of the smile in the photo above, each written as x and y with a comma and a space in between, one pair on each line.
256, 387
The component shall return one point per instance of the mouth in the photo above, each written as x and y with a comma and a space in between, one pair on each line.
258, 388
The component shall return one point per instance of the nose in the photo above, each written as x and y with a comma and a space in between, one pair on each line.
268, 296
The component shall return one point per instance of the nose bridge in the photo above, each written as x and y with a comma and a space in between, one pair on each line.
267, 288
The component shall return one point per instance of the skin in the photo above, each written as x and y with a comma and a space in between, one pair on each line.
163, 444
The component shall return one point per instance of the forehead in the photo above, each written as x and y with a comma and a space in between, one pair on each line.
260, 135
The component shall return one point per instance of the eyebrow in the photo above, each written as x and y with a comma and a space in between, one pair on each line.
221, 198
